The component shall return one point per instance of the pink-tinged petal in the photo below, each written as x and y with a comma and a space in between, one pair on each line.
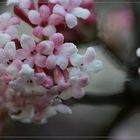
58, 39
68, 49
17, 63
55, 19
71, 20
84, 80
29, 61
51, 62
44, 12
40, 60
22, 54
48, 83
58, 9
4, 38
14, 21
76, 59
12, 2
27, 42
62, 62
49, 30
12, 31
34, 17
58, 76
2, 55
89, 55
37, 31
10, 50
81, 13
78, 92
63, 109
45, 47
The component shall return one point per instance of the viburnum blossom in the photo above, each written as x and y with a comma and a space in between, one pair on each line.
38, 73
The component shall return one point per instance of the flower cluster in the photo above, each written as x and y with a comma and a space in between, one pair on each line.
38, 73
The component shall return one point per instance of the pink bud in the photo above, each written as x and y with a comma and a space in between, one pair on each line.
37, 31
58, 39
44, 12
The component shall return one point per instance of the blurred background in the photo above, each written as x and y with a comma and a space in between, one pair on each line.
110, 109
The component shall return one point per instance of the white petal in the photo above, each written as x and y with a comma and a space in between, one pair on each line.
71, 20
27, 42
89, 55
34, 17
10, 50
49, 30
94, 67
2, 55
81, 13
62, 62
4, 38
58, 9
68, 49
63, 109
12, 31
40, 60
51, 61
26, 70
76, 59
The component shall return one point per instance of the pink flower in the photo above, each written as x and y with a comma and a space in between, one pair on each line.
29, 53
61, 56
70, 10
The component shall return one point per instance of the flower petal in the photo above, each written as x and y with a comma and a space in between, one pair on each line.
2, 55
45, 47
40, 60
10, 50
68, 49
58, 9
63, 109
89, 55
4, 38
27, 42
51, 61
34, 17
71, 20
22, 54
62, 62
49, 30
81, 12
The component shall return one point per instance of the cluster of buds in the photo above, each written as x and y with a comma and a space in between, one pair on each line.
38, 73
